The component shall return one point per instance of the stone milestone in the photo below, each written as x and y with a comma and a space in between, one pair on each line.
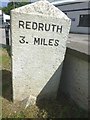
39, 35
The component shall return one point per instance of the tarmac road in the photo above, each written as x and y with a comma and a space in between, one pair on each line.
79, 42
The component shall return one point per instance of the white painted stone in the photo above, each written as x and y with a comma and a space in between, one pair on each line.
37, 68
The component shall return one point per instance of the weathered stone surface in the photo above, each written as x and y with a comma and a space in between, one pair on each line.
39, 35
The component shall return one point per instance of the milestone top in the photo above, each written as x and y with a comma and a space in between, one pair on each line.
43, 8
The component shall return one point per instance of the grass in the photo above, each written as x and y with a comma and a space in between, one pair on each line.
5, 59
61, 108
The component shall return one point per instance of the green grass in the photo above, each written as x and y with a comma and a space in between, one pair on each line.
5, 59
62, 108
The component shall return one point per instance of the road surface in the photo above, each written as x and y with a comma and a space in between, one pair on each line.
79, 42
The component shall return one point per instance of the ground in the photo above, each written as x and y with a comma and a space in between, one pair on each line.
60, 108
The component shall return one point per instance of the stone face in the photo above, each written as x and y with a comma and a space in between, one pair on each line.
39, 35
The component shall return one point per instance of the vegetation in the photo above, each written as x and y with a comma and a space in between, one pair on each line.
12, 5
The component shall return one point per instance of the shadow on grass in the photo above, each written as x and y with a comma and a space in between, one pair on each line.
7, 91
61, 108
